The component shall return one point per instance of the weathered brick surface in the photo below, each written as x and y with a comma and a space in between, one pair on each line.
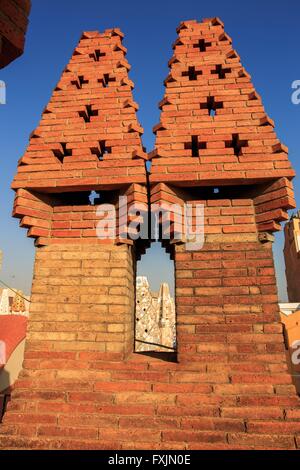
88, 139
98, 404
88, 136
271, 204
213, 128
229, 314
13, 25
82, 300
63, 218
82, 387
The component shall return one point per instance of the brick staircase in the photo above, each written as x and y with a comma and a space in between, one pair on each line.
84, 401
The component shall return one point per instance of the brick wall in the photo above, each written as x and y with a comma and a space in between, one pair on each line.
213, 126
227, 306
13, 25
291, 257
70, 216
83, 299
88, 136
82, 386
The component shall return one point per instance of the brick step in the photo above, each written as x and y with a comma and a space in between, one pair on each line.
147, 404
242, 362
94, 438
258, 421
109, 409
142, 364
131, 403
160, 381
159, 372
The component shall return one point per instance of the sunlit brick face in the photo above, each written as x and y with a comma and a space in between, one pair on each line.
83, 386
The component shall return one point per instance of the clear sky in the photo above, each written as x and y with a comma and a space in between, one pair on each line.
265, 35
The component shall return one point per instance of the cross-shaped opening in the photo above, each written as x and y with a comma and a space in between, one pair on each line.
211, 105
236, 144
202, 45
101, 150
195, 146
97, 54
220, 71
106, 79
81, 81
87, 113
94, 198
192, 73
64, 152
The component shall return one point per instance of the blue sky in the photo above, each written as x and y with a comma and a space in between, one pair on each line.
265, 34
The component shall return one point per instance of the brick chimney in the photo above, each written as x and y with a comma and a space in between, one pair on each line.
13, 25
82, 386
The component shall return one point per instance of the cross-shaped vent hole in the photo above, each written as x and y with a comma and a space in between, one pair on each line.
88, 113
195, 146
97, 54
192, 73
64, 152
81, 81
236, 144
106, 79
211, 105
101, 150
220, 71
94, 198
202, 45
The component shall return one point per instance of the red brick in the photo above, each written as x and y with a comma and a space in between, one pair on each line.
82, 386
260, 427
253, 413
201, 436
265, 441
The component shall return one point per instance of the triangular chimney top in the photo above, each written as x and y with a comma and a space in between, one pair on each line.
89, 133
213, 127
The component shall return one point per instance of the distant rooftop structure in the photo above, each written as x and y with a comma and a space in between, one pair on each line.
12, 346
13, 301
295, 215
292, 256
290, 317
155, 318
289, 308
